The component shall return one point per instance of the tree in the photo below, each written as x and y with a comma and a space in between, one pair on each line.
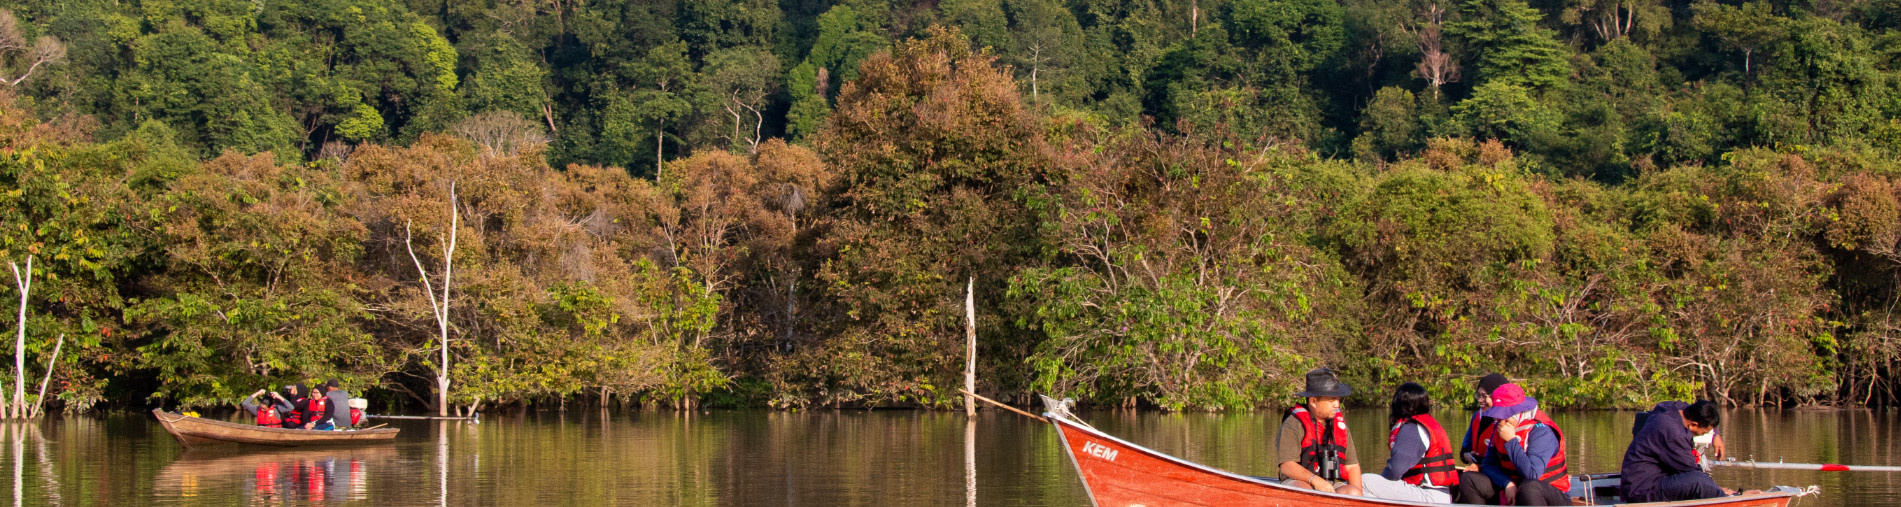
936, 159
440, 306
1436, 65
260, 285
1749, 28
736, 83
1510, 47
15, 53
845, 38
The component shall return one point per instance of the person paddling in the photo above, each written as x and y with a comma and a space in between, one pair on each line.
1662, 464
1312, 446
1419, 467
1524, 455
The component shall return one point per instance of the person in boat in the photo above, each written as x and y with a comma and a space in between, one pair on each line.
1475, 430
268, 411
1662, 464
1524, 462
316, 412
1312, 446
337, 403
1419, 466
298, 397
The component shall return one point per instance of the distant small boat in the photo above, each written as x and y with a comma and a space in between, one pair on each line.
1117, 473
194, 431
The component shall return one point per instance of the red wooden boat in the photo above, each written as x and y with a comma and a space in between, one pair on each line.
1118, 473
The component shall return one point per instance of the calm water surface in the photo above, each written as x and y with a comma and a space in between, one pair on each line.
591, 457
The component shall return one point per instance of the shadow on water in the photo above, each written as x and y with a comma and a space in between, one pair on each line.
591, 457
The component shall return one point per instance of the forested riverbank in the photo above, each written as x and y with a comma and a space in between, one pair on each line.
1182, 205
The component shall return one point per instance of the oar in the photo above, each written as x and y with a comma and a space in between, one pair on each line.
1824, 467
424, 417
1010, 408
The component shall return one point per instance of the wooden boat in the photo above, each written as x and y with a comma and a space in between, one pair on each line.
194, 431
1118, 473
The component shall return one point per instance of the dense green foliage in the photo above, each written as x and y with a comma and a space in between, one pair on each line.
1182, 204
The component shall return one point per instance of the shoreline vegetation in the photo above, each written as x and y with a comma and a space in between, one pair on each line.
749, 203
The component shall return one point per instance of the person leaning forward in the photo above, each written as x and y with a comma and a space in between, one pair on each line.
1662, 464
1524, 461
1313, 447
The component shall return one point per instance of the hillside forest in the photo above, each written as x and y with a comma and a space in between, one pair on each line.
1174, 204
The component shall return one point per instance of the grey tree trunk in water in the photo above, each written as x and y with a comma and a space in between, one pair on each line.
23, 281
441, 308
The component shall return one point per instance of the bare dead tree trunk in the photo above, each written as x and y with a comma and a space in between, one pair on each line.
38, 402
24, 282
970, 353
1435, 65
1194, 18
441, 308
659, 144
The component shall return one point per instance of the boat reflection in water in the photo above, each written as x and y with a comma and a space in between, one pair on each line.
273, 476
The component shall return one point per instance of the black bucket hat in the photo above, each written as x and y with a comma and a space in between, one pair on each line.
1324, 383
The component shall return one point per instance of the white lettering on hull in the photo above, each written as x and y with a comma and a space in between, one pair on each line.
1099, 450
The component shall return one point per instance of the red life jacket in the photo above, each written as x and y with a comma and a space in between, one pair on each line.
356, 417
1318, 449
267, 416
295, 420
1437, 465
1554, 468
1478, 436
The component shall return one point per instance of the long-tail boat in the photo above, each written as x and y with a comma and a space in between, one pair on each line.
194, 431
1117, 473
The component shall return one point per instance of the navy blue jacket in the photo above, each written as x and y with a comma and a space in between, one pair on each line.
1661, 449
1407, 450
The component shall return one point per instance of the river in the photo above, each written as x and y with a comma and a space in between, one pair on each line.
822, 457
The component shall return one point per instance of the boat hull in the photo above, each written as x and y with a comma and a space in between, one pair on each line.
197, 432
1117, 473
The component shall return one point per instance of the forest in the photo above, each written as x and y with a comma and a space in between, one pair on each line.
1172, 204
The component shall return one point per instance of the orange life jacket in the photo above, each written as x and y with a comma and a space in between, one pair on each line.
1321, 452
1437, 465
1554, 468
267, 416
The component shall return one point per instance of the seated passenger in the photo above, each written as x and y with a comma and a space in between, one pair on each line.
337, 401
1524, 456
298, 397
1419, 467
317, 412
270, 412
1313, 446
1662, 464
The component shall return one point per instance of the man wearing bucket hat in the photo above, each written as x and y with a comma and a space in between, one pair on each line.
1524, 455
1313, 447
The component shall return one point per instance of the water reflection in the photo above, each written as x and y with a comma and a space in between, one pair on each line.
272, 476
597, 457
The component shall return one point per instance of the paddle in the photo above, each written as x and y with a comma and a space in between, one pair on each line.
476, 417
1010, 408
1825, 467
